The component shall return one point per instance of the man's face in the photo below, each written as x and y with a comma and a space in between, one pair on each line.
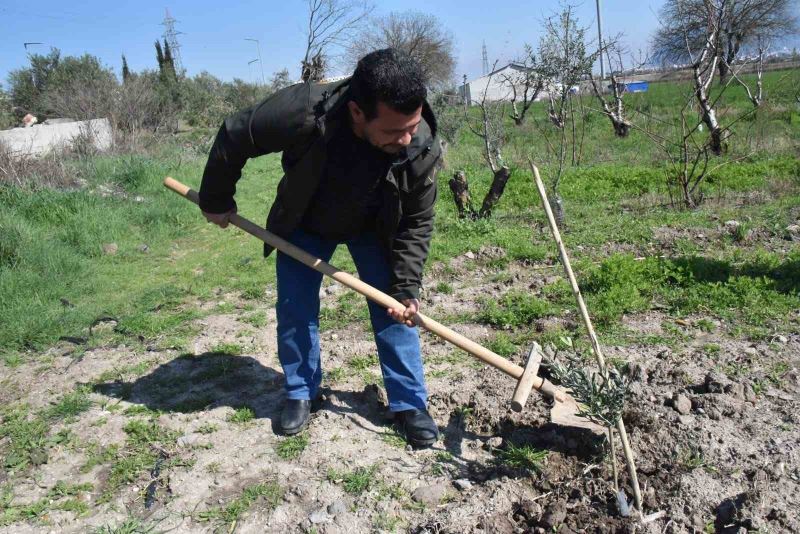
389, 130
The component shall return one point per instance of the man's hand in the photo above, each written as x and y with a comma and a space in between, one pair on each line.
406, 317
220, 219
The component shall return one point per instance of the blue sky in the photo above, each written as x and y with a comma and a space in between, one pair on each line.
214, 31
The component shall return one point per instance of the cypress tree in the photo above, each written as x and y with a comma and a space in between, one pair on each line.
160, 58
126, 73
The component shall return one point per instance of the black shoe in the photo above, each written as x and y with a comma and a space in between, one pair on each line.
294, 417
418, 426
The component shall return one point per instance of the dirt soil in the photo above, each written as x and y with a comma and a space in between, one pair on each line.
716, 434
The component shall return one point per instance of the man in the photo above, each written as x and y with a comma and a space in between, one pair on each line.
358, 157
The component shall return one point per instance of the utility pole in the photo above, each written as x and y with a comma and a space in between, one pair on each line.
171, 37
485, 58
600, 39
250, 64
258, 45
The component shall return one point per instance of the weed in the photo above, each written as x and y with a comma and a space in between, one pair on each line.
705, 325
70, 405
336, 374
291, 447
363, 363
513, 309
693, 458
444, 288
214, 468
521, 457
242, 415
27, 438
257, 319
269, 493
777, 372
393, 438
354, 482
207, 428
230, 349
711, 349
502, 344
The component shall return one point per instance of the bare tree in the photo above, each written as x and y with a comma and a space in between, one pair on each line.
525, 85
488, 126
704, 65
420, 35
331, 24
742, 24
756, 95
563, 62
613, 108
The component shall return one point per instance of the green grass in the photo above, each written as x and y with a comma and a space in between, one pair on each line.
521, 457
267, 493
513, 309
292, 447
242, 415
356, 481
51, 241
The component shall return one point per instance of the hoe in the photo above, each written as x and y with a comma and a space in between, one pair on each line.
565, 408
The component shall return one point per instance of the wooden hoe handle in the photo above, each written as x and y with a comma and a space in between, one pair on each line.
480, 352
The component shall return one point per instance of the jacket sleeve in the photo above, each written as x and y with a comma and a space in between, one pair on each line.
412, 239
267, 127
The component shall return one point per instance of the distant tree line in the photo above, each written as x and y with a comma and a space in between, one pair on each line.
83, 88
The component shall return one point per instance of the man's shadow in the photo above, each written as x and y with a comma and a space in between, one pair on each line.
195, 383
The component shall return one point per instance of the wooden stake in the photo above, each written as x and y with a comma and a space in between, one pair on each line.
598, 353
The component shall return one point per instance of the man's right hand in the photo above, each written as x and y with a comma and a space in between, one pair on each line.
220, 219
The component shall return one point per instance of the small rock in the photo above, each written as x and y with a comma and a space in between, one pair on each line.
144, 248
681, 403
462, 484
430, 495
685, 420
187, 440
732, 226
319, 516
469, 255
637, 372
781, 339
751, 351
735, 390
554, 515
793, 232
497, 524
110, 249
334, 337
715, 382
375, 396
494, 442
337, 508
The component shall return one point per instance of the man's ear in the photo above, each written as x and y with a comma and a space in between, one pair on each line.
356, 113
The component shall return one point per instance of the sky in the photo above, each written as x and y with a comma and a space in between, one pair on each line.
213, 32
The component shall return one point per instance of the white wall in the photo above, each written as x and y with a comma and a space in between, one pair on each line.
40, 138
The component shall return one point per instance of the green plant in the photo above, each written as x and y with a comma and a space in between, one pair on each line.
521, 457
291, 447
513, 309
268, 492
242, 415
356, 481
444, 288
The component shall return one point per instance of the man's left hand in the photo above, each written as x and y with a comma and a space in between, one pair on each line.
405, 316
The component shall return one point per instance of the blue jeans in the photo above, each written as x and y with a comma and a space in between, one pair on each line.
298, 323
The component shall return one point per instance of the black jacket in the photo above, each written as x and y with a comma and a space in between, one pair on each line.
299, 121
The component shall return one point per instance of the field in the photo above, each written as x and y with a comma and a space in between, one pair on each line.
139, 382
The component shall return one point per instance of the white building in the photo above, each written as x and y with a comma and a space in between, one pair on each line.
497, 85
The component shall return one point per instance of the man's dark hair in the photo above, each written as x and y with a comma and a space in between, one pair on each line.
389, 76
